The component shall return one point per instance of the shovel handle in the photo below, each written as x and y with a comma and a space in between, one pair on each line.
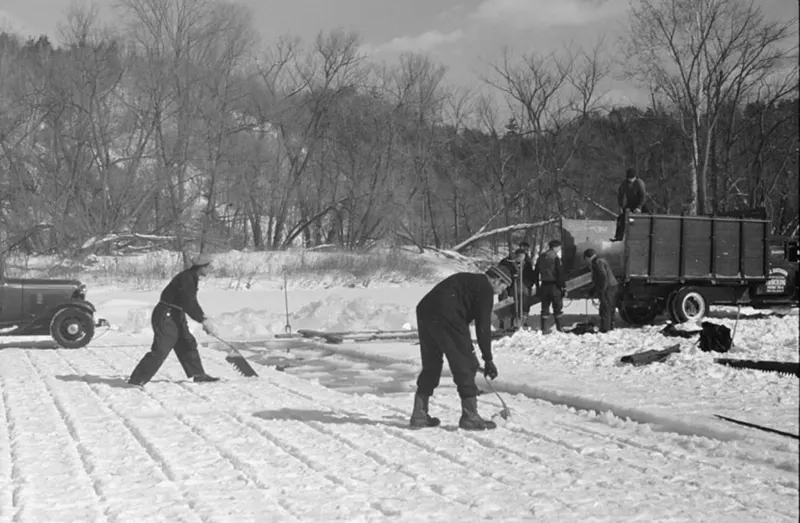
505, 407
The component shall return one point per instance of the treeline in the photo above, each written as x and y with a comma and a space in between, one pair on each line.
181, 126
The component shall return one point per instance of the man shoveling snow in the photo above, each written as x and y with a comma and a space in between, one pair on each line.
170, 329
443, 318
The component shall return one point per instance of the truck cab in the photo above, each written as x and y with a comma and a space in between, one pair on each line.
782, 286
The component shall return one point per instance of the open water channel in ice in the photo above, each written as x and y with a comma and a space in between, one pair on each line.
344, 373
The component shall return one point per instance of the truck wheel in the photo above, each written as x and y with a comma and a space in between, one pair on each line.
72, 328
689, 305
624, 315
673, 315
636, 314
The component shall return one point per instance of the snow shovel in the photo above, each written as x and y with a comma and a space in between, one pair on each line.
236, 359
506, 412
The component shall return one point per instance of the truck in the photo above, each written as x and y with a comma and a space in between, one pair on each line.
682, 265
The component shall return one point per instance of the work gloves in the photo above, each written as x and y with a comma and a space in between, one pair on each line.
489, 369
209, 327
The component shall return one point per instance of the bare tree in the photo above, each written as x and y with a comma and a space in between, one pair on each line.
550, 97
703, 56
187, 52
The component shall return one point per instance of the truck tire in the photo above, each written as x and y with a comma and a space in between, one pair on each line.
638, 314
72, 327
673, 315
688, 304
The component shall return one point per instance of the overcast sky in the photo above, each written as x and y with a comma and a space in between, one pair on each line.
462, 34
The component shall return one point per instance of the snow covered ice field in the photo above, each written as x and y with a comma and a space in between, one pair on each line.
321, 434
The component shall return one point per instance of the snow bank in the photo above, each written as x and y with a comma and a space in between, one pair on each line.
265, 270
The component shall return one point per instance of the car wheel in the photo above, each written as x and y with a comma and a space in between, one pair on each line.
689, 305
72, 328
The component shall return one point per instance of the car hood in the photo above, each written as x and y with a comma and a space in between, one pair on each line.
43, 283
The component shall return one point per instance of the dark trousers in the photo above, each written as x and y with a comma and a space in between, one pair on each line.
551, 297
170, 331
608, 305
620, 230
441, 337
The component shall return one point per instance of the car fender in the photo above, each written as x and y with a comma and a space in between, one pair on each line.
78, 304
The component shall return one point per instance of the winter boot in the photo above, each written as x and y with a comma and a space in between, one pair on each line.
545, 327
204, 378
470, 419
420, 417
559, 325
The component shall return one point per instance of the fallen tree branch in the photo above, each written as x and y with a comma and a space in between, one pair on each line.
94, 243
488, 234
590, 200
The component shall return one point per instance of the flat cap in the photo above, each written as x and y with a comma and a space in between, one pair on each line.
201, 260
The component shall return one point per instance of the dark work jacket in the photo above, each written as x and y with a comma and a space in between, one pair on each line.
462, 298
602, 277
528, 277
632, 195
548, 268
182, 293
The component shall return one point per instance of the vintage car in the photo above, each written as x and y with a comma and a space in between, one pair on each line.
40, 307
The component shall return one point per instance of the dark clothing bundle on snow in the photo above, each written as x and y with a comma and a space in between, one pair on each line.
650, 356
715, 337
671, 331
443, 318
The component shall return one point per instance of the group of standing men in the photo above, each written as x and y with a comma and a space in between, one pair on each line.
546, 279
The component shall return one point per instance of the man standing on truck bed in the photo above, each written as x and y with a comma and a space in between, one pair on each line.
443, 318
170, 329
631, 196
604, 287
552, 287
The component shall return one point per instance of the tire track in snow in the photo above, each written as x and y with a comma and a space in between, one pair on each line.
77, 447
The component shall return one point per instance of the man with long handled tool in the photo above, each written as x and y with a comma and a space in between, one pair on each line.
604, 287
443, 318
550, 282
170, 329
519, 265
